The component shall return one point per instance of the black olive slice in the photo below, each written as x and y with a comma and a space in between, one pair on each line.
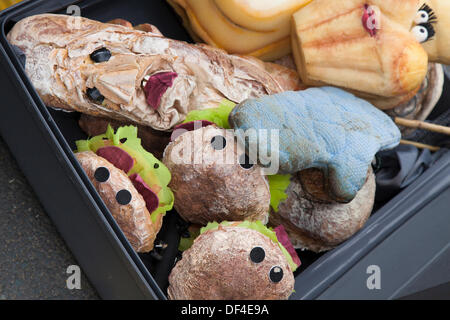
102, 174
276, 274
219, 143
245, 162
257, 255
123, 197
101, 55
95, 95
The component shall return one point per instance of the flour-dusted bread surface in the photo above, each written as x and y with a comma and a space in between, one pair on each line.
210, 185
58, 49
320, 224
218, 267
133, 218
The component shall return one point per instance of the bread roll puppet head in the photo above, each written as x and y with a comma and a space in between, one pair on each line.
139, 77
212, 178
430, 27
234, 261
132, 183
315, 222
324, 128
362, 46
259, 28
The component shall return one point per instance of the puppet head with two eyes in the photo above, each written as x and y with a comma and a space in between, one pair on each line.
212, 176
376, 49
431, 28
234, 261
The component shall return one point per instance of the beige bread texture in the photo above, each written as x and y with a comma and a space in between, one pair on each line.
133, 219
331, 46
218, 267
210, 185
259, 28
58, 49
316, 223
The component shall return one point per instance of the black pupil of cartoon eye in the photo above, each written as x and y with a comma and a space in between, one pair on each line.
245, 162
95, 95
423, 30
123, 197
424, 15
276, 274
101, 174
218, 143
156, 166
257, 255
101, 55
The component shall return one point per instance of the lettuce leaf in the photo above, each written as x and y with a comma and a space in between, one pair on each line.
278, 185
155, 174
218, 115
258, 226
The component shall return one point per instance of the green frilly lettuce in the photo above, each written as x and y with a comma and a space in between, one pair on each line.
156, 178
278, 184
218, 115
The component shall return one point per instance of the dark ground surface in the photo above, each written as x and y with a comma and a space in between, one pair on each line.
33, 256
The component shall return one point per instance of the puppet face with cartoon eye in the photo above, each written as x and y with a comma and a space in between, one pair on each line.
84, 65
129, 203
360, 45
430, 28
213, 180
232, 263
423, 29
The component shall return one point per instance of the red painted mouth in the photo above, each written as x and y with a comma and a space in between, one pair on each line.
370, 20
156, 86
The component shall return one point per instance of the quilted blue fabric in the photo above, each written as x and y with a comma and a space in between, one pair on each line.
325, 128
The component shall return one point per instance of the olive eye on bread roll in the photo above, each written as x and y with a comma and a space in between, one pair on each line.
212, 178
131, 182
315, 222
233, 261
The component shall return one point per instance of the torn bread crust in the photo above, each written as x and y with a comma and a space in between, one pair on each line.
60, 68
322, 224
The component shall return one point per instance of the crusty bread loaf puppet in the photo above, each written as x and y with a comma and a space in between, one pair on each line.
314, 221
234, 261
135, 76
131, 182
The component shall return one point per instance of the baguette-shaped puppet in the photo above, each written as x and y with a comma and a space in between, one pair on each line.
139, 77
131, 182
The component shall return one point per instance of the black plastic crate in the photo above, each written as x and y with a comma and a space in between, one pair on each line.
409, 237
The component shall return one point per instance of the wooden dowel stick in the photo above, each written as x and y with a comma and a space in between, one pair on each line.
420, 145
422, 125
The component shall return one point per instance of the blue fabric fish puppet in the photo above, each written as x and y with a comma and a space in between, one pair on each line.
325, 128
